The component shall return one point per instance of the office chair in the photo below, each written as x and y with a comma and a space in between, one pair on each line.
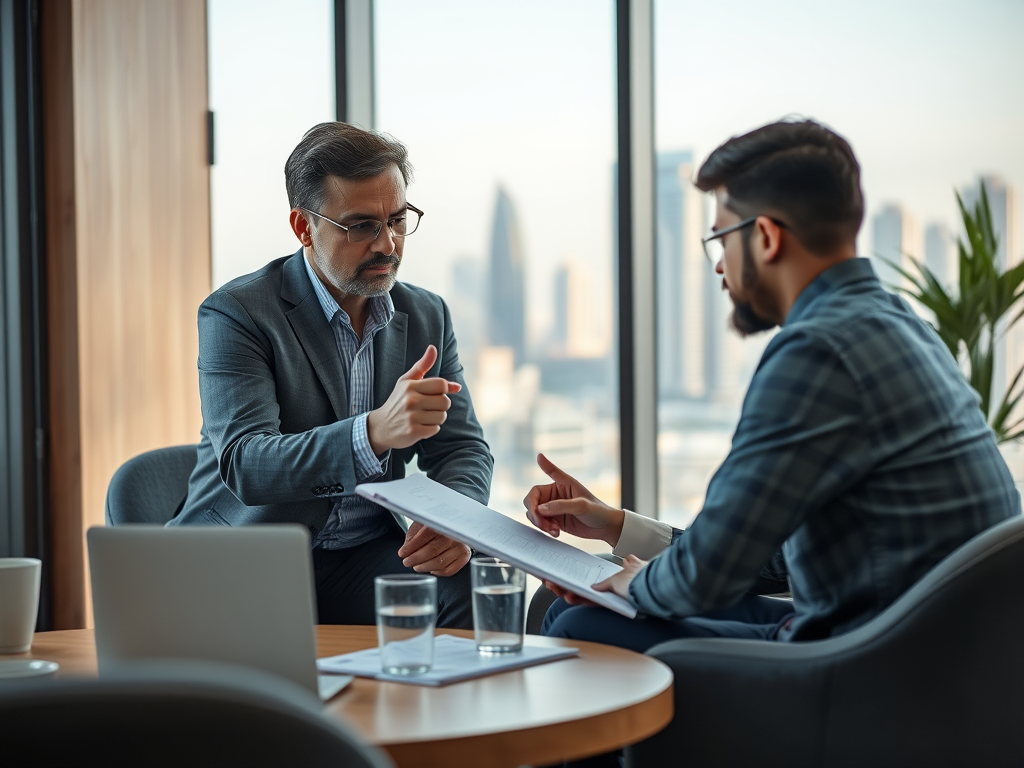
174, 714
150, 487
936, 679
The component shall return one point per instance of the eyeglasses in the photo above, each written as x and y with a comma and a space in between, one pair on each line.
402, 225
714, 247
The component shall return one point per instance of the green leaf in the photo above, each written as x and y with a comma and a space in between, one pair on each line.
987, 303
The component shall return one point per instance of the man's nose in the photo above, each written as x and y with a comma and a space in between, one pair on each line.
719, 267
385, 237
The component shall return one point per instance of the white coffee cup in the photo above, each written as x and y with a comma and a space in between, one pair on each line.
19, 602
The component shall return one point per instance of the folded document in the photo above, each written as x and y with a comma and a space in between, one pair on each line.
463, 519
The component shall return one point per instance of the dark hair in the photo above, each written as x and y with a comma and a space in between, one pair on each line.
800, 170
339, 149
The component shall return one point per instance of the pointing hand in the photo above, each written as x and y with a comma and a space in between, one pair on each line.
416, 408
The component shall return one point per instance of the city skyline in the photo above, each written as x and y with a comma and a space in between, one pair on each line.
542, 127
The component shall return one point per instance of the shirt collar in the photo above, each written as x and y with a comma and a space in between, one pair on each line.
844, 273
382, 309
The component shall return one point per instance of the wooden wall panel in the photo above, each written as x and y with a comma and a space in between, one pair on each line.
64, 443
142, 245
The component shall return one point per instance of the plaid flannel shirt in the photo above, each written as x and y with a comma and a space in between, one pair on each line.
860, 451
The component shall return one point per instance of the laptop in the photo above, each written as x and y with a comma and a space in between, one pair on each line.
238, 595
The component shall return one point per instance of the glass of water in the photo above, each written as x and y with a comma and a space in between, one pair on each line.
406, 614
498, 595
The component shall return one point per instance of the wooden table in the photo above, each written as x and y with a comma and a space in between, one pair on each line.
601, 700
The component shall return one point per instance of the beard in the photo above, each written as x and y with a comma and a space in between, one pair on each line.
361, 284
744, 319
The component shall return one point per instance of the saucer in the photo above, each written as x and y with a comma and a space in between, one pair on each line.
27, 668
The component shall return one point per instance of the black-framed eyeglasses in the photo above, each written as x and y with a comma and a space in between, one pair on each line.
402, 225
714, 247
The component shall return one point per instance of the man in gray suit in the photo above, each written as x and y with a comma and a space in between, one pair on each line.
320, 371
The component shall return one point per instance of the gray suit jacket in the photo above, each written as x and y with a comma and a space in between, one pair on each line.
277, 437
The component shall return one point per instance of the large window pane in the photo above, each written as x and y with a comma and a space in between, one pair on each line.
271, 80
928, 95
508, 111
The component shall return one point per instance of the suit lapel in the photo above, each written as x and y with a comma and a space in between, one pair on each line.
314, 332
389, 356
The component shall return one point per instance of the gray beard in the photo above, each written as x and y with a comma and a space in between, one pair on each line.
369, 287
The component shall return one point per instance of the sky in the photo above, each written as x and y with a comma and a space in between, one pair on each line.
489, 92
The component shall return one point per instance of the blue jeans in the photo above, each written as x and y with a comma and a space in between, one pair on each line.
753, 617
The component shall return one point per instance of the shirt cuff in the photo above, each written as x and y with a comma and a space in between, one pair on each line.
368, 466
642, 536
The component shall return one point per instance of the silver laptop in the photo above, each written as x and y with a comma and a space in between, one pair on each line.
238, 595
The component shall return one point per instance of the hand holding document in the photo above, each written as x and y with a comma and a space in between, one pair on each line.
449, 512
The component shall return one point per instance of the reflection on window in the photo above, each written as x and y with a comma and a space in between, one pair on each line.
271, 80
510, 125
928, 101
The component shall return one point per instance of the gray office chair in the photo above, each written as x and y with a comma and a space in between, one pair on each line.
174, 714
937, 679
150, 487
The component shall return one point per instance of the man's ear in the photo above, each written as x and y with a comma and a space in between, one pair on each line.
767, 239
300, 226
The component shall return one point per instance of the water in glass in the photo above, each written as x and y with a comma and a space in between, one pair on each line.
498, 617
405, 635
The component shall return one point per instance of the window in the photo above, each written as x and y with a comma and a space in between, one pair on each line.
927, 96
510, 124
271, 80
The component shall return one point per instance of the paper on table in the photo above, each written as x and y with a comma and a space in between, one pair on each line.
526, 547
455, 659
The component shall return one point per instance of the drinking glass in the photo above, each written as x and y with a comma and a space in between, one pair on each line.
406, 614
498, 596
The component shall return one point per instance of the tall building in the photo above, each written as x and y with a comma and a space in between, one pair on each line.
506, 310
940, 255
466, 303
683, 364
578, 329
894, 235
1002, 200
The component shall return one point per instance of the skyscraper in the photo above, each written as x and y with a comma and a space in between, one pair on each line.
466, 304
894, 235
578, 331
681, 280
940, 255
506, 311
1002, 200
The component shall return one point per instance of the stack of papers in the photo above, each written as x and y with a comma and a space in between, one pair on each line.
463, 519
455, 659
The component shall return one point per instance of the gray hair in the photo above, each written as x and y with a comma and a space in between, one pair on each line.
339, 149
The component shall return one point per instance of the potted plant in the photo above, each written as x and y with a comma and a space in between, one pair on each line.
971, 322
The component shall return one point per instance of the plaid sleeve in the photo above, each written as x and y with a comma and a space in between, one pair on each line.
800, 441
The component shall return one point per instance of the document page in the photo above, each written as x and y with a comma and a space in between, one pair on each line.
492, 533
455, 659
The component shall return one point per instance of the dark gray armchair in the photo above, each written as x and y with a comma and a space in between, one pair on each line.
174, 714
150, 487
935, 680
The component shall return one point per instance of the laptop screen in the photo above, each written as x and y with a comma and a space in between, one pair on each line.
238, 595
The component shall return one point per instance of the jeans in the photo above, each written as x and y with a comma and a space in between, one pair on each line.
753, 617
